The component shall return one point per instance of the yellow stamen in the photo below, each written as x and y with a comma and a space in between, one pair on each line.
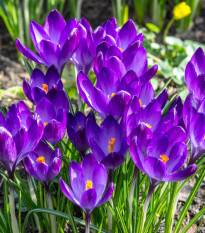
59, 46
79, 127
111, 146
89, 185
140, 102
121, 50
45, 124
164, 158
181, 10
149, 126
45, 88
41, 159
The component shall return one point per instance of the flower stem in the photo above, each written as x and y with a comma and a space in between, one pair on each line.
147, 200
167, 29
50, 206
33, 197
14, 223
87, 230
131, 193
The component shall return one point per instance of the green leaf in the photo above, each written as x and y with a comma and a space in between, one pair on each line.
28, 67
172, 40
165, 69
153, 27
57, 213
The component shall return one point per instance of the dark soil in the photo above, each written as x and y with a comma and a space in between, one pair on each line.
96, 12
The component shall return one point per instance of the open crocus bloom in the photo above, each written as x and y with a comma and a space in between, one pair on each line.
55, 41
88, 182
19, 134
107, 142
161, 157
53, 117
43, 163
42, 85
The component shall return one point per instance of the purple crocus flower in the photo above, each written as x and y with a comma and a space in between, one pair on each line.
107, 142
88, 182
195, 76
53, 116
55, 41
84, 54
42, 85
43, 163
76, 131
123, 37
161, 157
19, 134
195, 125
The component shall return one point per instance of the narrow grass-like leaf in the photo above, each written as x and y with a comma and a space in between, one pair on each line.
188, 202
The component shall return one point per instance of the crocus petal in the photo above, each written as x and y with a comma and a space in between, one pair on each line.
50, 52
113, 160
117, 66
67, 191
181, 175
88, 200
13, 121
45, 110
147, 93
27, 90
97, 151
92, 130
55, 131
136, 153
54, 169
37, 94
28, 53
107, 195
107, 81
162, 98
118, 103
154, 168
8, 150
77, 180
127, 34
37, 34
139, 57
54, 25
99, 180
190, 74
88, 165
60, 101
20, 139
69, 47
176, 134
158, 146
148, 75
177, 157
67, 31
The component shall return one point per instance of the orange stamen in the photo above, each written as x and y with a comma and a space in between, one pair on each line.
113, 94
41, 159
79, 127
45, 88
164, 158
45, 124
111, 146
140, 102
89, 185
121, 50
149, 126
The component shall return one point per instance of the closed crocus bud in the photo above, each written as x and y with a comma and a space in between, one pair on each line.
181, 11
88, 182
76, 131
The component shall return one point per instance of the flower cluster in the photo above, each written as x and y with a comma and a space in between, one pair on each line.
123, 97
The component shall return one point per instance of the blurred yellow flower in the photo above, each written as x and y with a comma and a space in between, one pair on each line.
181, 11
